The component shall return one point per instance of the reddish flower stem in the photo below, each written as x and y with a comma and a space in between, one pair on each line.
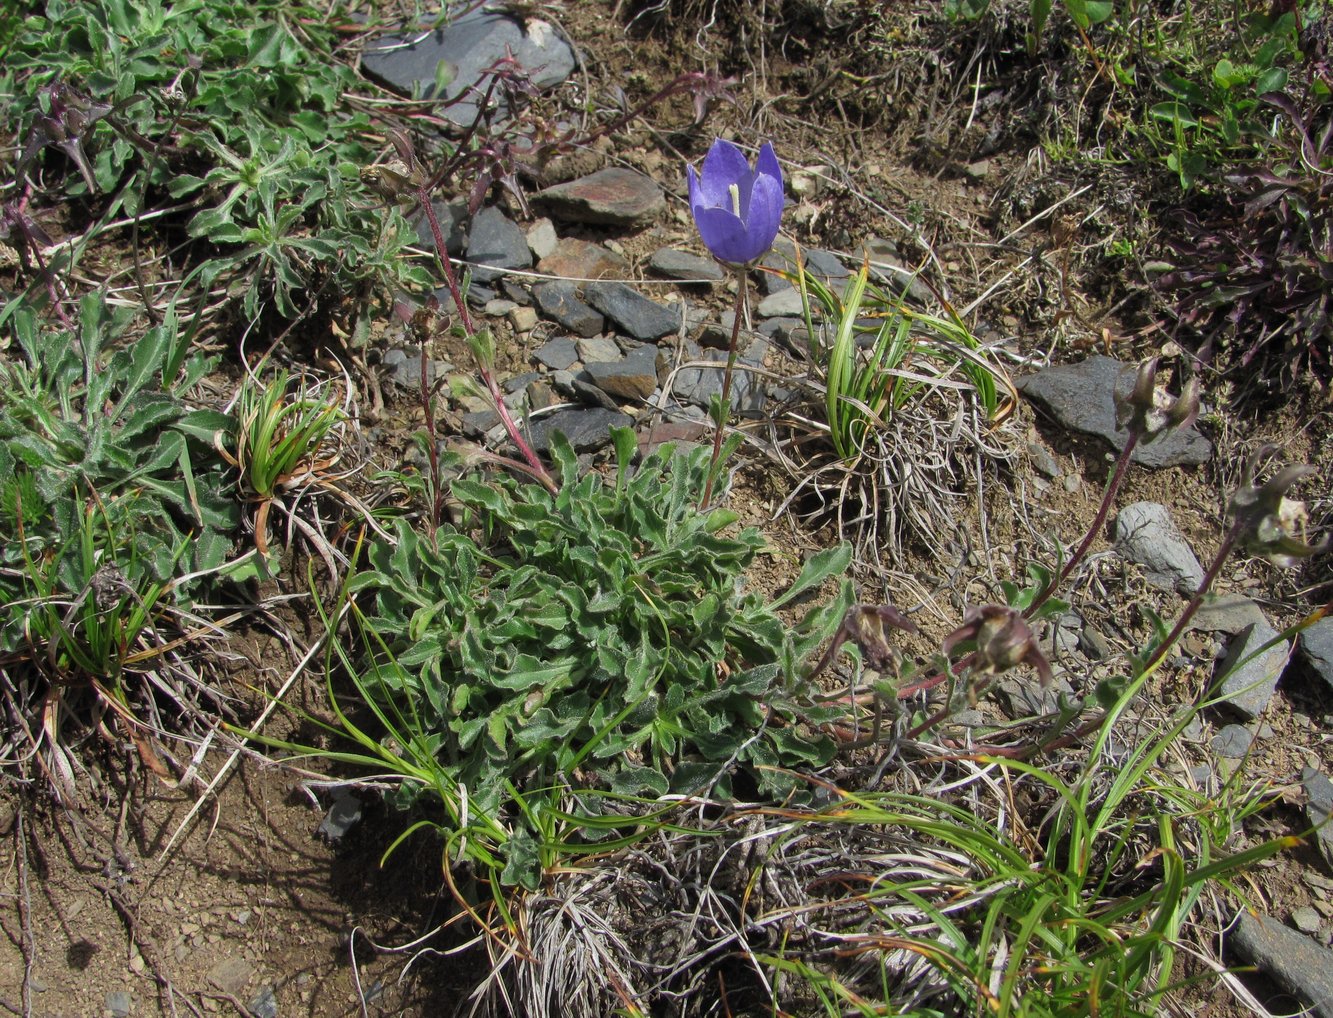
724, 405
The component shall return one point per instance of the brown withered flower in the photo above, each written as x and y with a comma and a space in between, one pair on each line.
1003, 641
1149, 412
1269, 523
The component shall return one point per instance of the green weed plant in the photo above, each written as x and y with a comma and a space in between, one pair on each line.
600, 641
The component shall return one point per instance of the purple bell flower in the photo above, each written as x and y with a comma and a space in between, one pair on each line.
737, 209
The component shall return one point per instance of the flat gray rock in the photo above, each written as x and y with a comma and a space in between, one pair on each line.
1315, 645
1146, 534
700, 385
783, 304
633, 377
823, 265
495, 244
557, 354
1248, 681
586, 429
1291, 958
676, 264
558, 300
1232, 742
1319, 809
406, 61
452, 219
634, 313
1226, 613
615, 196
1082, 397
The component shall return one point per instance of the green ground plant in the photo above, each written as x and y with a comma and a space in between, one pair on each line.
599, 640
114, 508
243, 111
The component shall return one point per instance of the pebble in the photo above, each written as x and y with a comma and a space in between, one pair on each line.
1082, 397
576, 259
1318, 810
782, 304
1305, 919
1315, 645
119, 1003
468, 45
587, 429
344, 814
542, 238
673, 263
699, 385
1146, 534
633, 377
1248, 682
558, 301
1232, 742
638, 316
1290, 957
496, 244
615, 196
523, 319
557, 354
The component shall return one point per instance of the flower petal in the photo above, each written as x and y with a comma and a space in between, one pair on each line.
761, 226
724, 235
724, 165
767, 164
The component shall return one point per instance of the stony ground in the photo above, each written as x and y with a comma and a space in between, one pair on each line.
269, 901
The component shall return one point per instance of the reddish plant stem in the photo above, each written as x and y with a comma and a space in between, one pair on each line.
1112, 489
432, 453
487, 375
724, 404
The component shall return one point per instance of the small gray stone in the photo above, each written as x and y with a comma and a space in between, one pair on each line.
1316, 648
783, 304
1094, 644
612, 197
1232, 742
1022, 696
597, 348
404, 368
633, 377
1306, 919
452, 219
1291, 958
557, 354
344, 814
1226, 613
887, 268
469, 45
676, 264
1248, 682
638, 316
1319, 809
542, 238
231, 974
822, 265
699, 385
587, 430
1146, 534
118, 1002
683, 265
558, 300
264, 1004
1042, 460
578, 259
496, 244
523, 319
1082, 397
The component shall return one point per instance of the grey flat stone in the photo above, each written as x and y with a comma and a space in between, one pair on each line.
822, 265
1146, 534
1226, 613
633, 377
404, 368
888, 269
615, 196
1248, 682
1082, 397
597, 348
264, 1004
1319, 808
699, 385
634, 313
344, 814
675, 264
452, 219
1291, 958
582, 259
1315, 646
557, 354
1232, 742
406, 60
587, 430
558, 300
496, 241
783, 304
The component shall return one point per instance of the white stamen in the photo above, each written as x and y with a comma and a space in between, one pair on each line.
735, 199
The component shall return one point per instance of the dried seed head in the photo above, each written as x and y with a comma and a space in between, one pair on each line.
1270, 524
1149, 411
1003, 640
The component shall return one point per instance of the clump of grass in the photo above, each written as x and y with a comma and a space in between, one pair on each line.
905, 401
